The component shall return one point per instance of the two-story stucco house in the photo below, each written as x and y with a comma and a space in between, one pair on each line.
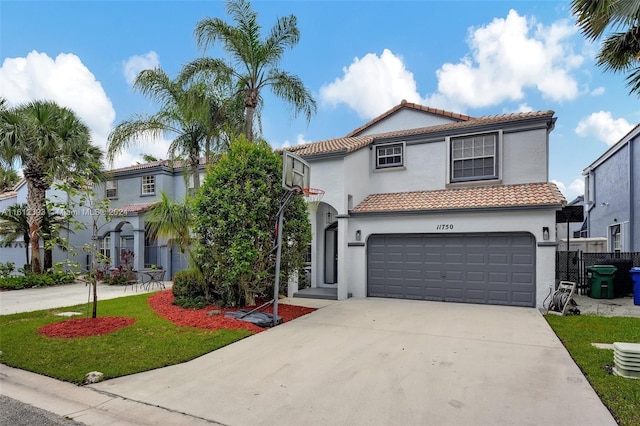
612, 194
427, 204
131, 191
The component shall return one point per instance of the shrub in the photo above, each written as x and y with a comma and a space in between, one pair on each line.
235, 213
190, 289
33, 280
6, 269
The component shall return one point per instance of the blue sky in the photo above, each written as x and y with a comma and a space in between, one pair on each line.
358, 58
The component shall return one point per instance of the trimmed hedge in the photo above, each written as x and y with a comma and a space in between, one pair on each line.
32, 280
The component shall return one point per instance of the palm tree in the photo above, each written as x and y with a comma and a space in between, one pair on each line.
50, 142
14, 225
184, 113
620, 51
171, 220
8, 179
254, 60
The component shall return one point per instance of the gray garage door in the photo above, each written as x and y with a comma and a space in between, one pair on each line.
497, 269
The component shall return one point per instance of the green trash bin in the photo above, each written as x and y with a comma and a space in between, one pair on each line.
601, 281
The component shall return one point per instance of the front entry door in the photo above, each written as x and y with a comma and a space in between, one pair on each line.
331, 254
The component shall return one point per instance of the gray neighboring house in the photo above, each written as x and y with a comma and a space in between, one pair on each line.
131, 191
612, 195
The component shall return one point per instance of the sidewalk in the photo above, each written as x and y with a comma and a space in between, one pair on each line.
35, 299
84, 404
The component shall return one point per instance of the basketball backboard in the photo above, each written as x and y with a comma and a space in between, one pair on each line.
296, 173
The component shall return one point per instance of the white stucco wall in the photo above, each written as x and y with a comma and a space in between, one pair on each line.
524, 157
532, 221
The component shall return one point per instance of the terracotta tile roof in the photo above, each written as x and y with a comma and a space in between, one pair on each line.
350, 144
410, 105
498, 196
134, 208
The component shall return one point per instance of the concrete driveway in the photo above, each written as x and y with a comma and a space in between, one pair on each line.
382, 362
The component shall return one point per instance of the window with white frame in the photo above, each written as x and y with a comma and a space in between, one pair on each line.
105, 246
391, 155
615, 238
111, 189
148, 184
474, 157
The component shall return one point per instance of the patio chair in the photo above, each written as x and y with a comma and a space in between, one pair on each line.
132, 280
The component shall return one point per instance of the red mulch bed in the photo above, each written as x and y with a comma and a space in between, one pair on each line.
83, 327
162, 303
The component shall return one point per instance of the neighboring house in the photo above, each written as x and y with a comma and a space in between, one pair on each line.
612, 195
426, 204
16, 252
131, 192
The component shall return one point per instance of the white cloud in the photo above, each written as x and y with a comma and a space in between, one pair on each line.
597, 91
300, 140
372, 85
572, 190
524, 108
65, 80
137, 63
602, 126
577, 187
509, 56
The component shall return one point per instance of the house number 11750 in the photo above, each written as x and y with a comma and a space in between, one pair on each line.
444, 227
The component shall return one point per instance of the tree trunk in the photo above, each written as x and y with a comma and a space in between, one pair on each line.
250, 104
36, 190
195, 162
248, 122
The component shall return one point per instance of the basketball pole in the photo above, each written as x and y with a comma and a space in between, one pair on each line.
276, 286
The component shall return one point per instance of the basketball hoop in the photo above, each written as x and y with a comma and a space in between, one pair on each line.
313, 197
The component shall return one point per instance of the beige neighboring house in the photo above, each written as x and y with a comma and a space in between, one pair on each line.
427, 204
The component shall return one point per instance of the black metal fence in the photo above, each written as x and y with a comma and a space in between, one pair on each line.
572, 266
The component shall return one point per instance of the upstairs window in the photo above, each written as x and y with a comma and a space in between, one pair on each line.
474, 157
111, 189
390, 156
148, 185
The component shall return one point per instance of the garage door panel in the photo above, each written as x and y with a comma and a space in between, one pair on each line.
472, 268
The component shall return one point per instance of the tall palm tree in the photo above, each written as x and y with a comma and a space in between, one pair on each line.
620, 51
14, 225
184, 114
254, 60
50, 142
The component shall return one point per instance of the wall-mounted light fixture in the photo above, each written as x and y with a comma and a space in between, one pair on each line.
358, 235
545, 233
329, 217
603, 204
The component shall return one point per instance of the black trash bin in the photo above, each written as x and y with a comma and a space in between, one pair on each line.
622, 283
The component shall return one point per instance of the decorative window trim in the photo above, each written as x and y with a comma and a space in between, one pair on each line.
497, 161
392, 159
111, 189
148, 185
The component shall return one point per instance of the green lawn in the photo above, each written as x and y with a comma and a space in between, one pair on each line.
151, 342
620, 395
